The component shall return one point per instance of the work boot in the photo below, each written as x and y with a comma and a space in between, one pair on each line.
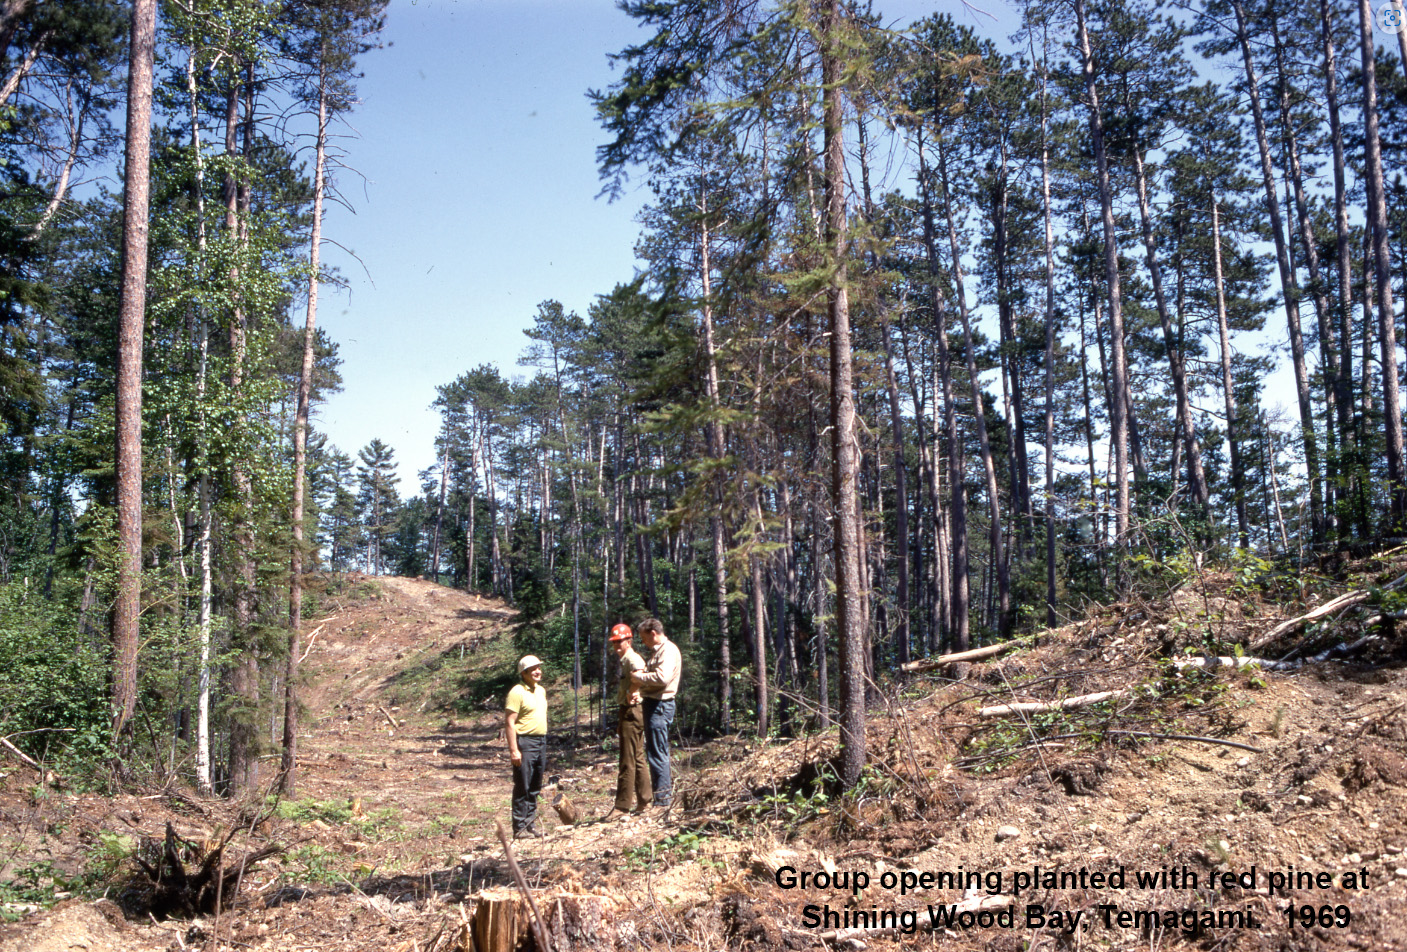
616, 814
527, 833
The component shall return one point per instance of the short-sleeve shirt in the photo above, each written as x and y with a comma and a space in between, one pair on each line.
630, 662
530, 704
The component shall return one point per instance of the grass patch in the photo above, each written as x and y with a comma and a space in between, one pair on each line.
335, 812
314, 864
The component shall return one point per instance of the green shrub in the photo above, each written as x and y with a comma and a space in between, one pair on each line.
53, 682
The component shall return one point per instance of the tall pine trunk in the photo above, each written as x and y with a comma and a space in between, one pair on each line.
1287, 284
1119, 389
1382, 273
1187, 429
1349, 456
1238, 477
1050, 587
995, 536
845, 445
1328, 353
288, 764
959, 623
126, 610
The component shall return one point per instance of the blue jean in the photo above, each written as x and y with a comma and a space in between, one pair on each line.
659, 715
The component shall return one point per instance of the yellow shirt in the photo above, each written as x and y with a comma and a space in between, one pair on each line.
530, 704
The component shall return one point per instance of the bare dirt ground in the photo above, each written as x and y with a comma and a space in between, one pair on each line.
391, 837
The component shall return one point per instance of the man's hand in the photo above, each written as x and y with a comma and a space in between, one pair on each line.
517, 757
634, 697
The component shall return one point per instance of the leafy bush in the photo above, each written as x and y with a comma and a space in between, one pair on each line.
53, 681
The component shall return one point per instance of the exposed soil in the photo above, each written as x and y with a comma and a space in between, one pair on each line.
404, 773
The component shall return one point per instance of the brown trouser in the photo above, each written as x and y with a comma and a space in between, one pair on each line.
633, 784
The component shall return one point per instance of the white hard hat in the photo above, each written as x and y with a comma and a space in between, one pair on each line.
528, 661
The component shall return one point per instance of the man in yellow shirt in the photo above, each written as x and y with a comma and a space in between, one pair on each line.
526, 709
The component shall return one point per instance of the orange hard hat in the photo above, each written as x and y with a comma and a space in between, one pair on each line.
621, 632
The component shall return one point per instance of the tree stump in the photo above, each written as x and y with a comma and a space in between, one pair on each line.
502, 921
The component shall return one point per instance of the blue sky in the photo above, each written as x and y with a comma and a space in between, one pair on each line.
475, 199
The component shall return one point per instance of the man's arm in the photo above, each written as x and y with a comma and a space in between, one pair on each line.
660, 677
636, 664
514, 753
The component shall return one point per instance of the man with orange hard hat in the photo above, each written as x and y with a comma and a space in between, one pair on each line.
633, 790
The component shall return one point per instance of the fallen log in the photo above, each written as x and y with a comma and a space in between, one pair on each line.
1346, 600
1328, 608
1225, 662
972, 654
20, 755
1040, 707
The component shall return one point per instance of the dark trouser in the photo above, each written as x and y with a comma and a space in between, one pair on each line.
527, 780
658, 716
633, 784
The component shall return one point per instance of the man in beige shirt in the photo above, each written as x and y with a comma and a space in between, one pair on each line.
658, 683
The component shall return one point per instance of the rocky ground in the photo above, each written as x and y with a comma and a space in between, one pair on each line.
1023, 830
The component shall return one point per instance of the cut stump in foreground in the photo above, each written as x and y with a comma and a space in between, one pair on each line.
502, 922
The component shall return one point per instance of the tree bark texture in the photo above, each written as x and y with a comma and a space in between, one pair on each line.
131, 321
